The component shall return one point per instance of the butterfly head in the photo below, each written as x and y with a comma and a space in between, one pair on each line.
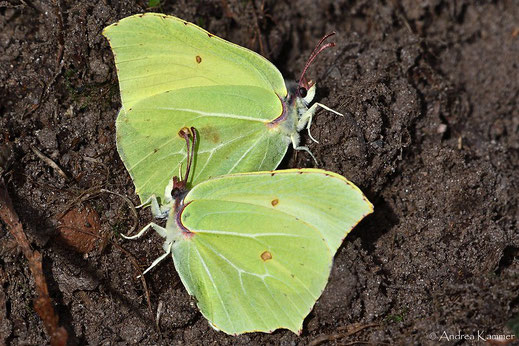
306, 93
305, 88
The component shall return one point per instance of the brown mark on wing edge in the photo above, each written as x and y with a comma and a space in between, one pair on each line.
274, 202
265, 256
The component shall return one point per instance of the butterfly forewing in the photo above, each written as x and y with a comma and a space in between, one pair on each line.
155, 53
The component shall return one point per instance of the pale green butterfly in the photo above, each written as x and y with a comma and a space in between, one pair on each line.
173, 74
256, 249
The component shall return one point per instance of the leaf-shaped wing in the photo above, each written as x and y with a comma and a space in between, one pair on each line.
323, 199
259, 246
155, 53
251, 268
230, 121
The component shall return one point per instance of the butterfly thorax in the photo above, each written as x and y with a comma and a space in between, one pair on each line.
294, 106
174, 227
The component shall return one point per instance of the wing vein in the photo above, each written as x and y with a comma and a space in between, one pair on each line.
245, 154
212, 114
215, 287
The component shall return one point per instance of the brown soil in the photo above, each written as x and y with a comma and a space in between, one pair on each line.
431, 134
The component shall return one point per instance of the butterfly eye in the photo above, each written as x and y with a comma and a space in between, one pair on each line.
302, 92
309, 95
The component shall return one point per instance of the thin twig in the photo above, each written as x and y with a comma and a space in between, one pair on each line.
258, 30
49, 162
138, 267
159, 313
351, 329
42, 304
132, 208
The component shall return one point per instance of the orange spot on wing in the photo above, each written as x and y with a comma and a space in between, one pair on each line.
274, 202
265, 256
198, 59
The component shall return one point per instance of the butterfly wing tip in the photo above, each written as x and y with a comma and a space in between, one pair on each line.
371, 208
107, 29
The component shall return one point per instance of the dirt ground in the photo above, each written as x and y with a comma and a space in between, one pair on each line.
431, 134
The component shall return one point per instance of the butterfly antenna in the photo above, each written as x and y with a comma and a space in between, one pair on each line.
189, 135
180, 171
190, 154
318, 49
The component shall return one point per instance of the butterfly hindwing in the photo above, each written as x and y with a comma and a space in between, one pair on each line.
230, 124
257, 248
256, 270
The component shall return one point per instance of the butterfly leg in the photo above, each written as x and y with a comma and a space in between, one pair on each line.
163, 233
158, 211
295, 143
159, 259
160, 230
327, 108
306, 118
